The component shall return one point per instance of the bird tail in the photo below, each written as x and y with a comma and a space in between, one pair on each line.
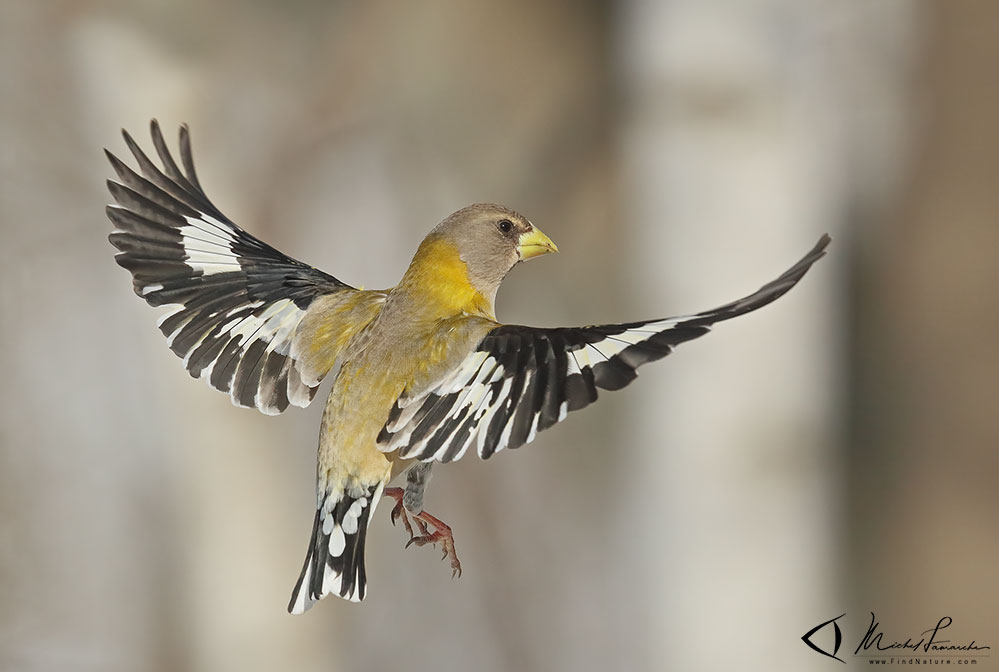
334, 563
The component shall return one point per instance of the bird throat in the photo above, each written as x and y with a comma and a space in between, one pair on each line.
440, 277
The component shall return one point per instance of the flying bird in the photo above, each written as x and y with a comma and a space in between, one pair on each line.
422, 372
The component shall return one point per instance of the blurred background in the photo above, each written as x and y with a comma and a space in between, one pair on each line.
835, 452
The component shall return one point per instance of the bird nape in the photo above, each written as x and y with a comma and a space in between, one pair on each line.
432, 370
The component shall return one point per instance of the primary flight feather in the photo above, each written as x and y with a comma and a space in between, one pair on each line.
426, 372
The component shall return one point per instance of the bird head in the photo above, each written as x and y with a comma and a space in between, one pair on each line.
492, 239
460, 264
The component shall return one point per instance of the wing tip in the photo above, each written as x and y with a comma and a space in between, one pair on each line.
769, 292
820, 248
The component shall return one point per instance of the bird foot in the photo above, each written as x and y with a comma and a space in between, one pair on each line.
441, 533
399, 511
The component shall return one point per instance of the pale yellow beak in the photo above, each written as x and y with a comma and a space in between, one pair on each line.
534, 243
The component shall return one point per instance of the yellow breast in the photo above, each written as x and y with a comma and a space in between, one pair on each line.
439, 276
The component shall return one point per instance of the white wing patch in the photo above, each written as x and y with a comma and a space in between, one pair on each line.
208, 245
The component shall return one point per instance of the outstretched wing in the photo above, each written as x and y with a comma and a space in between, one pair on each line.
521, 380
236, 303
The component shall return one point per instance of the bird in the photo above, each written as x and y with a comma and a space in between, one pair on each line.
422, 372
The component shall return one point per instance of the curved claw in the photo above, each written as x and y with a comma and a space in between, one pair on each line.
399, 511
441, 534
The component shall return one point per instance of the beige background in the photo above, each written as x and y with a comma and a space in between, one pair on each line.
835, 452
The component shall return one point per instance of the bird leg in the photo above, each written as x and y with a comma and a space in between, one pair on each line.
417, 480
410, 500
409, 503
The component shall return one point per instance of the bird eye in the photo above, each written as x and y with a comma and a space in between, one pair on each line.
505, 225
